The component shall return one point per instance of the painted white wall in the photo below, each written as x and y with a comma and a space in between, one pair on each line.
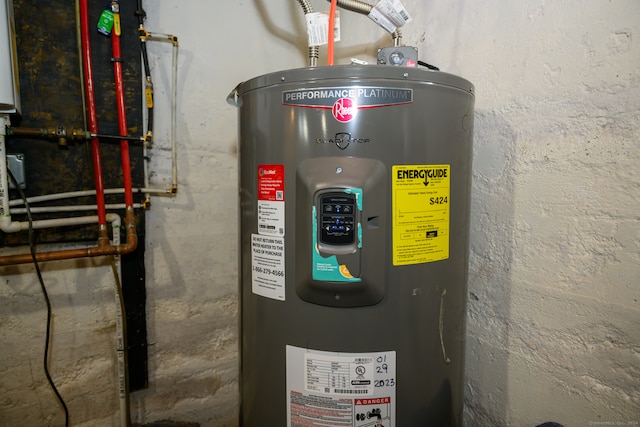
554, 317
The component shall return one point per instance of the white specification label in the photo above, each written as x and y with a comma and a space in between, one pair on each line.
333, 389
267, 266
271, 217
318, 26
339, 375
389, 14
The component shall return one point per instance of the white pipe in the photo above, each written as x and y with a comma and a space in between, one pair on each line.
72, 208
6, 224
59, 222
9, 226
174, 97
82, 193
121, 341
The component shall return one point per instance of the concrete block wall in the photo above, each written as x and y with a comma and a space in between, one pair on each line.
553, 323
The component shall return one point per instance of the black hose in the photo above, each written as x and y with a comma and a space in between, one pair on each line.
142, 34
32, 248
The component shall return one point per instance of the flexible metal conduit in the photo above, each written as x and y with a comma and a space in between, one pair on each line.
355, 6
365, 9
314, 51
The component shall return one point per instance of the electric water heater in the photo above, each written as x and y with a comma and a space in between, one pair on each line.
354, 234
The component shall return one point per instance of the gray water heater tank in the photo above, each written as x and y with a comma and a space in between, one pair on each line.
354, 234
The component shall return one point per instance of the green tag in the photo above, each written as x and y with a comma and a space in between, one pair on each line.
105, 23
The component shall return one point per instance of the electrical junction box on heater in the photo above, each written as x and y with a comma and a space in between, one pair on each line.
399, 56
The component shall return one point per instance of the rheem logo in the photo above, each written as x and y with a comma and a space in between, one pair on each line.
344, 110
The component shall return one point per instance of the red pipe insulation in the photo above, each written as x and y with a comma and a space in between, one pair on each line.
92, 111
122, 114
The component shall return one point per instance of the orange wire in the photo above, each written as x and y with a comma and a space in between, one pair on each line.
332, 20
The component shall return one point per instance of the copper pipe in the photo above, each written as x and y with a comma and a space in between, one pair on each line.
37, 132
103, 249
62, 133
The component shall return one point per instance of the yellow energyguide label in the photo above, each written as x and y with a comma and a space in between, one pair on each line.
421, 198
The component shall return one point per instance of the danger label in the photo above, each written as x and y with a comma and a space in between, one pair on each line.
421, 200
377, 401
373, 412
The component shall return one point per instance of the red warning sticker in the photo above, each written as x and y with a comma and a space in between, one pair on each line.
271, 200
271, 182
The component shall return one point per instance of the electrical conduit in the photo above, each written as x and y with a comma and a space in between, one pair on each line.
313, 50
364, 8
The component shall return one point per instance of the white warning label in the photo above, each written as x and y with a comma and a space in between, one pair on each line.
340, 389
267, 266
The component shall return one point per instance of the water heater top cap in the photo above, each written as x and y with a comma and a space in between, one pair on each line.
351, 74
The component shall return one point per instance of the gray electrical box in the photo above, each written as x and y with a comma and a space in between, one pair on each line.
399, 56
15, 163
354, 238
